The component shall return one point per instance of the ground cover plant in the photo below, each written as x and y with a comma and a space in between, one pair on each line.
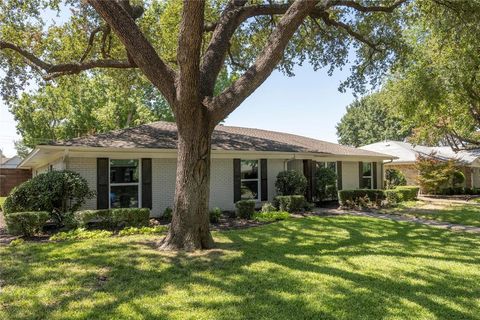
310, 268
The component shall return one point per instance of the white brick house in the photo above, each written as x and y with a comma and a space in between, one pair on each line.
137, 166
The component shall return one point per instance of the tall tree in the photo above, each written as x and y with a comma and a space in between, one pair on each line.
369, 120
250, 38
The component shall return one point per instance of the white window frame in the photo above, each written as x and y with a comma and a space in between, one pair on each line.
259, 187
139, 183
370, 176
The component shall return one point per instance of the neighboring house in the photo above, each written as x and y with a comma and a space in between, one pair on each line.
406, 155
137, 166
10, 175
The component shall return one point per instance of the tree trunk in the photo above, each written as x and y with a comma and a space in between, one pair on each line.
189, 229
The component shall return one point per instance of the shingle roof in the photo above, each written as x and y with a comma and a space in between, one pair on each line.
163, 135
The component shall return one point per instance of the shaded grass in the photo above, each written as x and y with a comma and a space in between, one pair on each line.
311, 268
466, 214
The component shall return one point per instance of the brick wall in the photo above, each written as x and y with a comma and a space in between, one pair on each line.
10, 178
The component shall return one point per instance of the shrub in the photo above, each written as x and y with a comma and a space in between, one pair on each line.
245, 208
58, 192
458, 178
290, 182
26, 223
113, 218
435, 175
268, 207
408, 193
81, 233
270, 216
325, 180
143, 230
393, 196
289, 203
215, 215
359, 197
394, 178
167, 214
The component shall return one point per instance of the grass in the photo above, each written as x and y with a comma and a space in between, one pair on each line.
306, 268
466, 214
2, 200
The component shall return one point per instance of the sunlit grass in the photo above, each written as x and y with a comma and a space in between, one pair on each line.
305, 268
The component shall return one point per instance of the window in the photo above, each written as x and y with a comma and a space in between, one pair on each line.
366, 176
249, 177
124, 183
330, 165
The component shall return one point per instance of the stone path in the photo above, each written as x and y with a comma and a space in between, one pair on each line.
447, 201
433, 223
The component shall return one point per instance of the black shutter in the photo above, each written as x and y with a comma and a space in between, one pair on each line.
307, 172
360, 174
237, 193
339, 175
264, 181
102, 183
147, 183
374, 175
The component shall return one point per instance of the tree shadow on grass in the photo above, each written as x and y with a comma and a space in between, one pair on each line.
314, 268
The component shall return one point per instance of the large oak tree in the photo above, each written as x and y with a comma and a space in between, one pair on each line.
247, 39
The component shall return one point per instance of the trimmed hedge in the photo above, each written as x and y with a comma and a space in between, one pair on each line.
374, 195
270, 216
290, 204
214, 215
245, 208
26, 223
408, 193
113, 218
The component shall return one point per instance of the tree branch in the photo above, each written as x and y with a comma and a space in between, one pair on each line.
359, 7
230, 99
139, 48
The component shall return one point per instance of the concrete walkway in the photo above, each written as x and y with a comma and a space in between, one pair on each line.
432, 223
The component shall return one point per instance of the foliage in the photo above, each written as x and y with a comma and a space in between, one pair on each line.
394, 178
435, 174
290, 182
26, 224
401, 194
361, 197
81, 233
167, 214
270, 216
143, 230
369, 120
245, 208
325, 183
215, 214
293, 204
57, 192
17, 242
458, 178
393, 197
2, 201
113, 219
268, 207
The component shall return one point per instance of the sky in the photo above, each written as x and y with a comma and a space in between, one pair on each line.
308, 104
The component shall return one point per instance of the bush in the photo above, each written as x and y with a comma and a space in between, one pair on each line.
113, 219
26, 223
215, 215
245, 208
58, 192
167, 214
289, 203
360, 197
393, 196
268, 207
408, 193
143, 230
325, 180
458, 178
290, 182
270, 216
81, 233
394, 178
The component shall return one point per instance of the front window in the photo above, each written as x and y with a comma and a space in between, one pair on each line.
366, 175
250, 179
124, 183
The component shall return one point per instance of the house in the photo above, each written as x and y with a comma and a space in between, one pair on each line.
406, 155
136, 166
10, 175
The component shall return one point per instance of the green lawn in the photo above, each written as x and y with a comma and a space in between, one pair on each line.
305, 268
466, 214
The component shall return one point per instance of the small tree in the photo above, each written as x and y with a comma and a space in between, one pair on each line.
325, 183
435, 174
394, 178
57, 192
290, 182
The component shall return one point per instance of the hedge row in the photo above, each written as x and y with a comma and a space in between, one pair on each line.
26, 223
398, 194
113, 219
